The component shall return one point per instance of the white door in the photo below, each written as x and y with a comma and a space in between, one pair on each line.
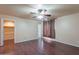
40, 32
40, 35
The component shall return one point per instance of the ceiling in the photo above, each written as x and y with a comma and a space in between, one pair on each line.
23, 10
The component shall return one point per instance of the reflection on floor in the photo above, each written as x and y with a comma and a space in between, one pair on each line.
40, 47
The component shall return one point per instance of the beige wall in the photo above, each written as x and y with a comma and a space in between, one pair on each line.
67, 29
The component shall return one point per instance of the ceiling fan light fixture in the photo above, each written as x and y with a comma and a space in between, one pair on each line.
40, 17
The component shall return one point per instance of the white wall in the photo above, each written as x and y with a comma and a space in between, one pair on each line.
25, 30
67, 29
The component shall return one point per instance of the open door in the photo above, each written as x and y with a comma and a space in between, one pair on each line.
8, 35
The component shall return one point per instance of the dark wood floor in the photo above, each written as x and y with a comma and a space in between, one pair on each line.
40, 47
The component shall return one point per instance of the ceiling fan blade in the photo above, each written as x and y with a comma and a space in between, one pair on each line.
48, 15
34, 17
32, 13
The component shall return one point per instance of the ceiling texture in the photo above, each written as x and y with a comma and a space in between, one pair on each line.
23, 10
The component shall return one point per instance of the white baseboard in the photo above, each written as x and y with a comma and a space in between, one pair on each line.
23, 41
51, 39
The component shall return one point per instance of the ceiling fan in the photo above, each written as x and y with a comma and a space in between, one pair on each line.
41, 12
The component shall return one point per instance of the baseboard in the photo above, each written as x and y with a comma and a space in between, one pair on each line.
51, 39
67, 43
24, 41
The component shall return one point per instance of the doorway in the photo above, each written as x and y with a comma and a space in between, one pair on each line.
8, 34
